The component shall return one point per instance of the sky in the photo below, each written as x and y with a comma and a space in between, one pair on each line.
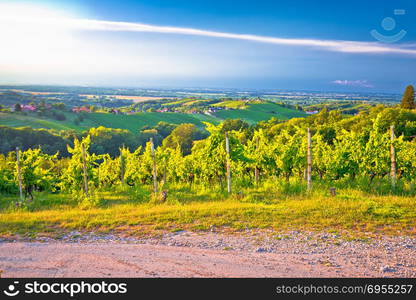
283, 45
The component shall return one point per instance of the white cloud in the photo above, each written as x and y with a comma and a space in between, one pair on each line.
331, 45
51, 46
356, 83
11, 19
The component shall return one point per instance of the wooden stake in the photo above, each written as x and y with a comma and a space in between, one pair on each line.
227, 149
152, 147
309, 167
84, 164
122, 167
393, 171
19, 174
165, 178
256, 170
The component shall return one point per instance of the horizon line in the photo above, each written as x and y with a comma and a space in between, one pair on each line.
115, 86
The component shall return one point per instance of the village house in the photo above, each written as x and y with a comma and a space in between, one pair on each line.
28, 107
24, 107
81, 109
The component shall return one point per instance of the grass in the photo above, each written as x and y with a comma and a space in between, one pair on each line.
252, 113
235, 104
130, 122
19, 120
259, 112
137, 121
277, 206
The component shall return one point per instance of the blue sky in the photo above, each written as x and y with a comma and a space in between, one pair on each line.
102, 51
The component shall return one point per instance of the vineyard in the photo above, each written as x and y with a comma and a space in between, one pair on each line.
361, 170
207, 139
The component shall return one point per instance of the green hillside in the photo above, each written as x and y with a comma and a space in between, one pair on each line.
345, 107
18, 120
259, 112
130, 122
234, 104
137, 121
252, 113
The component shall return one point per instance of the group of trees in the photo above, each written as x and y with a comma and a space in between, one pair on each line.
27, 138
408, 100
343, 148
103, 140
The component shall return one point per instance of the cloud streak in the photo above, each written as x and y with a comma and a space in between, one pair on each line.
328, 45
359, 83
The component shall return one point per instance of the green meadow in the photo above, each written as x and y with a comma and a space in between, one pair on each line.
254, 113
251, 113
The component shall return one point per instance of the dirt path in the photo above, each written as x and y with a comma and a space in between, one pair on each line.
187, 254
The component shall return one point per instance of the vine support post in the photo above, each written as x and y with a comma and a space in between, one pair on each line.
19, 174
152, 148
256, 169
393, 169
227, 149
309, 159
122, 162
84, 165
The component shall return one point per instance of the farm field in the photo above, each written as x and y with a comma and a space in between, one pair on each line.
137, 121
130, 122
260, 112
15, 120
252, 114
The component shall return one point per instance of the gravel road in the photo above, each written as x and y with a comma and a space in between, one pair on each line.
212, 254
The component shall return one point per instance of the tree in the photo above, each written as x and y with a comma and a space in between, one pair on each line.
59, 105
164, 128
183, 136
109, 140
17, 107
408, 100
234, 124
145, 135
26, 138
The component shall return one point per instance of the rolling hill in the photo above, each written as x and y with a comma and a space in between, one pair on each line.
252, 113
